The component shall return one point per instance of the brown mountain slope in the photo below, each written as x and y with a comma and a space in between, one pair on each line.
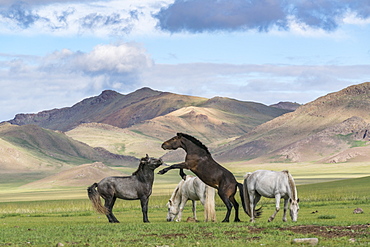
48, 149
109, 107
82, 175
144, 104
286, 105
335, 139
307, 120
117, 140
213, 120
150, 108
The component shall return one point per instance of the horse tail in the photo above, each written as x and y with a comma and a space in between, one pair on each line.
94, 197
209, 204
242, 196
247, 209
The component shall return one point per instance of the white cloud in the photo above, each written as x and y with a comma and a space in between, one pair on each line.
98, 18
62, 78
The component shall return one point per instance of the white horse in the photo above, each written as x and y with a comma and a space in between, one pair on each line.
194, 189
270, 184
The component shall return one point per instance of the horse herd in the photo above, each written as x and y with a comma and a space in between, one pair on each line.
211, 176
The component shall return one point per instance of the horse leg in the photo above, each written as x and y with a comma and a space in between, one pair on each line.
277, 209
194, 203
285, 209
144, 208
175, 166
228, 205
109, 203
257, 198
181, 207
236, 207
252, 205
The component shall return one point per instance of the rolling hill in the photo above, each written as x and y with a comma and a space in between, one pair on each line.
117, 129
124, 111
316, 131
32, 148
214, 120
82, 175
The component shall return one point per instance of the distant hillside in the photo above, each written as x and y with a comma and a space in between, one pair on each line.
117, 140
82, 175
31, 147
333, 128
144, 104
212, 121
286, 105
326, 126
109, 107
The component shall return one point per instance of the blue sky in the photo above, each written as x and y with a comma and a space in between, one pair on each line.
55, 53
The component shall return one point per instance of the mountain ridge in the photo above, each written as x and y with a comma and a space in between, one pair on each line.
329, 110
124, 111
115, 129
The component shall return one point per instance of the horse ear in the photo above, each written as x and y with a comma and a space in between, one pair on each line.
147, 156
170, 202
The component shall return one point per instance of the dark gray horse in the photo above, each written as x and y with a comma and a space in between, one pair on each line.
138, 186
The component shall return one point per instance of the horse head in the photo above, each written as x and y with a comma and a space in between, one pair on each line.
294, 208
149, 163
152, 163
173, 210
173, 143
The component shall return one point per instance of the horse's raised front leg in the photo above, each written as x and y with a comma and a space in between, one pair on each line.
144, 208
175, 166
277, 209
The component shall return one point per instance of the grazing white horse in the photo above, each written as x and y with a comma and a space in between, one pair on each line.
271, 184
192, 188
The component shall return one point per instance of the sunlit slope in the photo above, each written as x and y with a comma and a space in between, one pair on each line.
35, 148
78, 176
343, 117
117, 140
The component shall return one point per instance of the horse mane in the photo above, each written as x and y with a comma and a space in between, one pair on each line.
195, 141
139, 170
292, 186
176, 191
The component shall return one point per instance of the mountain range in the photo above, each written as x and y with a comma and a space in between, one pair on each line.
118, 129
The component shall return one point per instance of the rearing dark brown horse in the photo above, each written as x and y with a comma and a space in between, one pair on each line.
199, 160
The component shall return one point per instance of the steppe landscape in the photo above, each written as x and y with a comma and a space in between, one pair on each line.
50, 158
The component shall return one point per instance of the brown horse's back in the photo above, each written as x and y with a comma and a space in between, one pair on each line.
213, 174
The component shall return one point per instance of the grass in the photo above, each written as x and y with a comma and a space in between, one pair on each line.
73, 223
38, 222
65, 215
350, 141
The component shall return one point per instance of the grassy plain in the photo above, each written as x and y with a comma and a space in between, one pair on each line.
64, 215
73, 223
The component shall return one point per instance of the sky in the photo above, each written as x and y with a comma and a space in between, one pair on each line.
54, 53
